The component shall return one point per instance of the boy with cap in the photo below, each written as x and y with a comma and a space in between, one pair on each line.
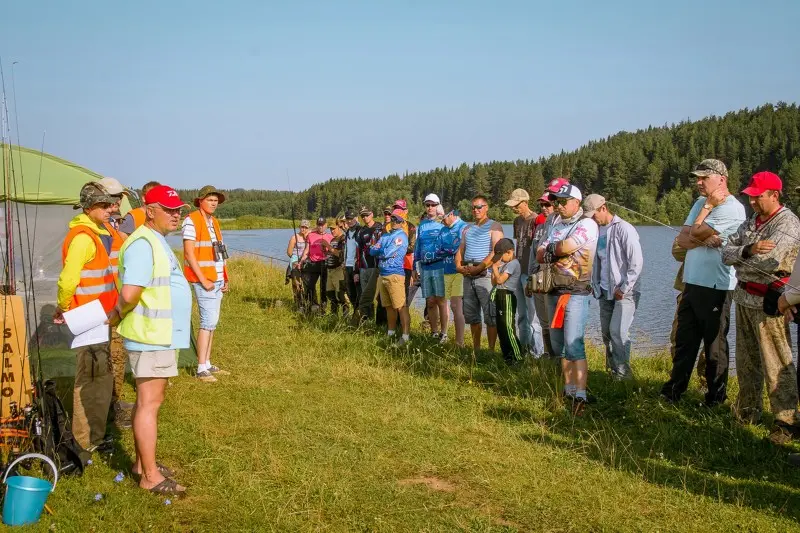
204, 256
390, 252
86, 276
506, 272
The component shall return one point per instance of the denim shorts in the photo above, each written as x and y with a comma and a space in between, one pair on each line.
209, 303
433, 283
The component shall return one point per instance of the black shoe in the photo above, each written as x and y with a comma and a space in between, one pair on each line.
578, 406
794, 459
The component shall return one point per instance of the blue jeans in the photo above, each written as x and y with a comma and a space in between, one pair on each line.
567, 341
209, 303
528, 327
616, 317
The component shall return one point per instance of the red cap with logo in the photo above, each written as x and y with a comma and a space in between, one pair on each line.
400, 204
556, 184
763, 181
164, 196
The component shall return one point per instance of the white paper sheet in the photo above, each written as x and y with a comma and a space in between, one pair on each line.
95, 335
87, 323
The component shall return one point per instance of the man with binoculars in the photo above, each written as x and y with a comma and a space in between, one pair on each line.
204, 256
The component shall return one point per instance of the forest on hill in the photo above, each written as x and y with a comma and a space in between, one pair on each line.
647, 171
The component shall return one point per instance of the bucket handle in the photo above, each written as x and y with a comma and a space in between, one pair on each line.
34, 456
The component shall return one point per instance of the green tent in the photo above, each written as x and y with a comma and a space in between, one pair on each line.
43, 190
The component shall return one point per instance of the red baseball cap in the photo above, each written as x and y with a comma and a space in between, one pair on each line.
763, 181
401, 204
165, 196
556, 183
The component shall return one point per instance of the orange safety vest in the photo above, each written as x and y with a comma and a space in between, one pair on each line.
116, 244
203, 251
97, 277
138, 216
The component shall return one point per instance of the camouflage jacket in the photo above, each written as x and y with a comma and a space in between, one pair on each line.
784, 230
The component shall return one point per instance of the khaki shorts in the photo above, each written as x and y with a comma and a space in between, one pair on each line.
334, 279
453, 286
157, 364
393, 291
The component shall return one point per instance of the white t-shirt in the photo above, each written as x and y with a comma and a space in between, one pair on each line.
190, 234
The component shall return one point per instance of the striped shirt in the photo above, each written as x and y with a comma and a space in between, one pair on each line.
478, 241
190, 234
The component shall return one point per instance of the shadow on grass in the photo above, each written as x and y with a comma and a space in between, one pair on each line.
688, 447
268, 302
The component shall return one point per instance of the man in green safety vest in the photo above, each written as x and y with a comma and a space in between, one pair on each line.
153, 314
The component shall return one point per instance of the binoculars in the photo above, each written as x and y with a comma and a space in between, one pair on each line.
220, 250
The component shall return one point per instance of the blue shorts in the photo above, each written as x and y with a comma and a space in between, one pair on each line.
433, 283
209, 303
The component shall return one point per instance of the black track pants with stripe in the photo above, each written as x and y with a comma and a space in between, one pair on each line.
505, 303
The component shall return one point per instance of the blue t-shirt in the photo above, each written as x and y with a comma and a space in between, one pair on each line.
139, 271
704, 265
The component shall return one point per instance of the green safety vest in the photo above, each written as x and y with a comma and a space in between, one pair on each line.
150, 322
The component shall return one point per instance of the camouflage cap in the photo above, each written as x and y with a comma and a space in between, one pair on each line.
93, 193
709, 167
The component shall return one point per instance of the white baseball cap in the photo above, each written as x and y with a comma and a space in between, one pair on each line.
432, 198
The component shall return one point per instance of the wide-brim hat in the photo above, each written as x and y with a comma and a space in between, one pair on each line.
206, 191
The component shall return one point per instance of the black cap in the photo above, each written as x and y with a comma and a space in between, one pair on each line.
321, 221
350, 214
502, 246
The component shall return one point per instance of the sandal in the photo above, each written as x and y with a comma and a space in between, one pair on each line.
163, 470
168, 486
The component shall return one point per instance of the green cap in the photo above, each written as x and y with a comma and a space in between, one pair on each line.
207, 190
93, 193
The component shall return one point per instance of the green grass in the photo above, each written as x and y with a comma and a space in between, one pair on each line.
256, 222
322, 427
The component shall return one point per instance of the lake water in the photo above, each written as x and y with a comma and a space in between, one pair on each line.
653, 321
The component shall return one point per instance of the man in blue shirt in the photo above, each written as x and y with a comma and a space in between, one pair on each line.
153, 364
390, 251
705, 305
430, 268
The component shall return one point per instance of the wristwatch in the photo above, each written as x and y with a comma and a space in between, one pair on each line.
708, 206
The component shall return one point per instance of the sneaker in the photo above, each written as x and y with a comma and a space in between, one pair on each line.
578, 406
217, 370
436, 335
443, 338
206, 376
400, 342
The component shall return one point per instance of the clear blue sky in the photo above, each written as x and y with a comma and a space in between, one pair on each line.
235, 93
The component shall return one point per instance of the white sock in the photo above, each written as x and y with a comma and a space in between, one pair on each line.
390, 333
405, 336
571, 389
201, 367
208, 364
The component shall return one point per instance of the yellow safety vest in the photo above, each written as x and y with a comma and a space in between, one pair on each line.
150, 322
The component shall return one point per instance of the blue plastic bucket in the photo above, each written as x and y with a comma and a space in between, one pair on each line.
25, 495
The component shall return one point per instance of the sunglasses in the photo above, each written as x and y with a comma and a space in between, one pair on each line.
563, 201
430, 205
478, 207
545, 204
